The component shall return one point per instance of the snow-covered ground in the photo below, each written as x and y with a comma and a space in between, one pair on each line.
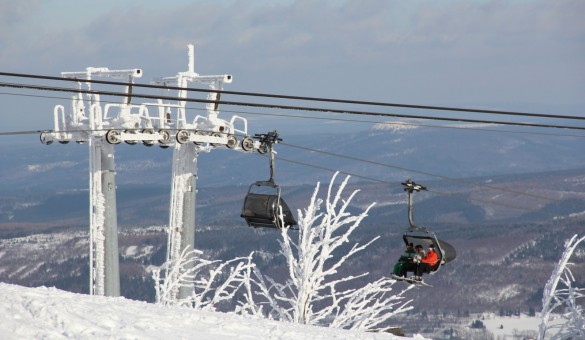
49, 313
510, 327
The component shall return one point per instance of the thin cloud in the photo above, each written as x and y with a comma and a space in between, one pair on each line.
482, 51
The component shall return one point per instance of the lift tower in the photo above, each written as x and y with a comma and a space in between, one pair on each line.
111, 124
202, 134
86, 123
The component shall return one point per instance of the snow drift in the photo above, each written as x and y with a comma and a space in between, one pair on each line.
49, 313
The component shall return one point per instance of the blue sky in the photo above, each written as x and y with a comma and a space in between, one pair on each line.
511, 55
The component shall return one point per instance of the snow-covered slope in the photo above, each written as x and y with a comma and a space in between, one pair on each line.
49, 313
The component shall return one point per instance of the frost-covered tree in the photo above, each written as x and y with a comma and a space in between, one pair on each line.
313, 293
561, 296
212, 282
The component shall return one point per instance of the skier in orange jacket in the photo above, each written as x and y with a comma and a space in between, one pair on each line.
427, 263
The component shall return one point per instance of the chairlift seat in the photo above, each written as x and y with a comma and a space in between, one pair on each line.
445, 251
422, 236
262, 210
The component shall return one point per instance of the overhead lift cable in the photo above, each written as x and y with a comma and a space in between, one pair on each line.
303, 98
286, 107
333, 170
13, 133
422, 173
516, 207
459, 127
505, 205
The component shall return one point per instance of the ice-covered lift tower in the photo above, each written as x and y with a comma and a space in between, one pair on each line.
202, 134
110, 124
87, 122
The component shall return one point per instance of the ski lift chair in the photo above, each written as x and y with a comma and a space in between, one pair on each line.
420, 235
263, 205
445, 251
264, 210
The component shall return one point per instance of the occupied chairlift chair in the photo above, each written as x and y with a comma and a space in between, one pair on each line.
265, 210
423, 236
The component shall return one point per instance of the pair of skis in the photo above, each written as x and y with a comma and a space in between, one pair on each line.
410, 280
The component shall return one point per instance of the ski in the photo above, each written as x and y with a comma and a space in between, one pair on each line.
409, 280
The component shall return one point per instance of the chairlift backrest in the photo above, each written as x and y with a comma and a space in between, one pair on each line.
445, 251
263, 210
425, 241
449, 253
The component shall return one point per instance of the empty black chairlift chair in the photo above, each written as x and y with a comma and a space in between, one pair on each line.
263, 204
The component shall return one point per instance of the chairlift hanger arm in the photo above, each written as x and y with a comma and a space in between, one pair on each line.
410, 186
268, 140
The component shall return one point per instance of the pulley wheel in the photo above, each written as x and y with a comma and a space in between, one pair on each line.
247, 143
130, 132
166, 137
113, 137
44, 139
232, 141
148, 142
182, 136
216, 134
263, 148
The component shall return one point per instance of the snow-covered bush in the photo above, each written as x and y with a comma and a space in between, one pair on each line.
220, 282
312, 293
561, 296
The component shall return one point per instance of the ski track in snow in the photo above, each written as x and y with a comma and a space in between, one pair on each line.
49, 313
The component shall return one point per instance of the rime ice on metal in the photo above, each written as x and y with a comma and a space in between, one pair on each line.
104, 126
86, 122
202, 134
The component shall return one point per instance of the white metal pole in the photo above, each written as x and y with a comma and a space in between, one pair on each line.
111, 260
183, 201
